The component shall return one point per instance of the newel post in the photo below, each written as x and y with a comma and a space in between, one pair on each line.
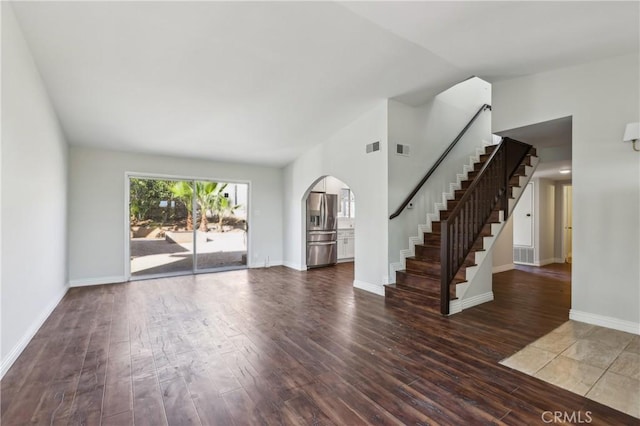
444, 267
505, 192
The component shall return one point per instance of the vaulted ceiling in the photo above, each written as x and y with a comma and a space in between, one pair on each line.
262, 82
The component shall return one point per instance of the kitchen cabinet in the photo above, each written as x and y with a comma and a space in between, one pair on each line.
320, 186
346, 243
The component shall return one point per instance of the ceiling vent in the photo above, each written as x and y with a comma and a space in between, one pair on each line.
403, 149
375, 146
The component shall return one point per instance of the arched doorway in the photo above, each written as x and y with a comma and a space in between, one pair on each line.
328, 224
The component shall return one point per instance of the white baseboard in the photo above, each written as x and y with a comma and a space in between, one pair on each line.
262, 264
97, 281
604, 321
371, 288
540, 263
558, 260
503, 268
456, 306
477, 300
346, 260
293, 265
35, 326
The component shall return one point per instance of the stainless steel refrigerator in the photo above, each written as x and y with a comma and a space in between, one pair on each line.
322, 229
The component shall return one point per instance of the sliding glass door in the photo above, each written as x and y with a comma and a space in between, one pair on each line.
186, 226
221, 215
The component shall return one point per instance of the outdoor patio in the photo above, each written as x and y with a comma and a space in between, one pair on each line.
151, 256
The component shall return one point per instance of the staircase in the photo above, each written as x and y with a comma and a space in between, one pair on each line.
438, 272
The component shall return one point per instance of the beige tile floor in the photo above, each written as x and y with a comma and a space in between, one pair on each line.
596, 362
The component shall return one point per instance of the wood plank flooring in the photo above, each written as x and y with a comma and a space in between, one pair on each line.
277, 346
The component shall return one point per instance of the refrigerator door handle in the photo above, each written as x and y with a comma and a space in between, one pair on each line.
322, 243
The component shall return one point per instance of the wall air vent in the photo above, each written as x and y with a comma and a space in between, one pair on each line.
523, 255
373, 147
403, 149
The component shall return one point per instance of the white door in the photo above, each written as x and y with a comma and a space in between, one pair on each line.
523, 219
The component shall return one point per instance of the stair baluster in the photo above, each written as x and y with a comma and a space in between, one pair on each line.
463, 224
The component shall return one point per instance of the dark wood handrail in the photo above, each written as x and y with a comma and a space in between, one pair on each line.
474, 183
465, 221
433, 168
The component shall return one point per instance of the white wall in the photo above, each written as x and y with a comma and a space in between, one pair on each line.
429, 130
503, 248
601, 97
34, 197
483, 281
543, 230
97, 212
343, 156
333, 185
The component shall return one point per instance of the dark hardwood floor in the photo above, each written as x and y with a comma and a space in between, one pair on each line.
277, 346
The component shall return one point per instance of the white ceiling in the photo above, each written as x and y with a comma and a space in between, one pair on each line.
262, 82
547, 134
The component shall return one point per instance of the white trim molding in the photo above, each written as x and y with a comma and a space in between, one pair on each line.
457, 306
540, 263
503, 268
605, 321
24, 341
293, 265
371, 288
256, 265
477, 300
118, 279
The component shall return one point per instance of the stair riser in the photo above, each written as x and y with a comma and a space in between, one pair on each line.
429, 253
521, 171
494, 218
430, 268
417, 288
434, 238
428, 284
526, 162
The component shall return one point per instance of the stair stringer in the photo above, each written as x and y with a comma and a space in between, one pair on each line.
435, 214
458, 305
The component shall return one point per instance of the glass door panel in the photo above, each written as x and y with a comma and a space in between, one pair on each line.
161, 226
221, 217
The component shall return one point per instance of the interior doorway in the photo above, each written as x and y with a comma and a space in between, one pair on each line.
338, 229
567, 214
185, 226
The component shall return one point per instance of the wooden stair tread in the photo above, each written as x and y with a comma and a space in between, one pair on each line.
418, 286
431, 277
466, 263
